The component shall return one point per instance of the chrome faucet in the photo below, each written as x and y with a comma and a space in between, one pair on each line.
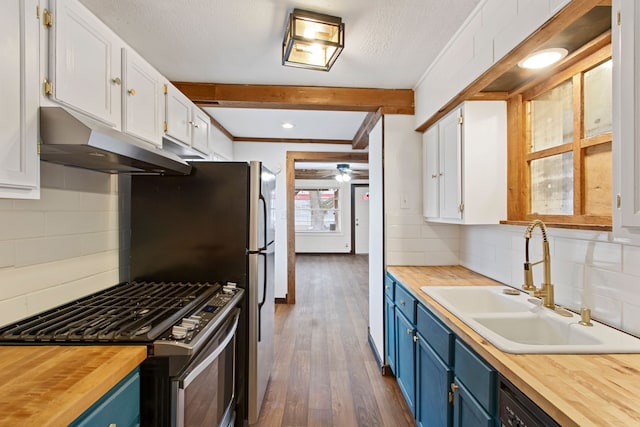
545, 292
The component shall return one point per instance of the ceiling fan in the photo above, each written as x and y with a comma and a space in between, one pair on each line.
341, 171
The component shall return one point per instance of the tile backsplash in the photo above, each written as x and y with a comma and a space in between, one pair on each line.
61, 247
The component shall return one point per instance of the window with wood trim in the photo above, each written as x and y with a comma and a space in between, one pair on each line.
317, 210
560, 146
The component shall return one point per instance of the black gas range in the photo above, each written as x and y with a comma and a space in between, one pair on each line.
189, 330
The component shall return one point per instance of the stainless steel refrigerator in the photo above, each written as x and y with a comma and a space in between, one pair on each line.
214, 225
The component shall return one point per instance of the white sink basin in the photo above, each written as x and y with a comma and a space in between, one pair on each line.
518, 324
479, 299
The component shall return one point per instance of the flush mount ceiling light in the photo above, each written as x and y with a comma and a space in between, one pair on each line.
543, 58
312, 40
288, 125
344, 172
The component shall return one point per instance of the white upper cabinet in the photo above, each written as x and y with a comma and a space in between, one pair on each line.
201, 129
143, 96
465, 165
19, 160
85, 63
626, 114
186, 124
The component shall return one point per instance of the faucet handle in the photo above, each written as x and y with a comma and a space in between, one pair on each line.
528, 278
585, 317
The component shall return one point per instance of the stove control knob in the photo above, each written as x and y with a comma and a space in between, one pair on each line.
188, 324
195, 319
178, 332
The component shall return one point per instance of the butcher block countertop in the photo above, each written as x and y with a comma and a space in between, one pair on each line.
576, 390
53, 385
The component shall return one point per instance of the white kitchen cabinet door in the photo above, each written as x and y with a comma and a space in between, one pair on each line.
201, 129
465, 165
178, 115
143, 94
19, 160
85, 63
431, 182
626, 113
449, 134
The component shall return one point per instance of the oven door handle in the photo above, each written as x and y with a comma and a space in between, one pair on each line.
213, 356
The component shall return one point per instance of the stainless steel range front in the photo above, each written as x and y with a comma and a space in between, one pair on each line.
189, 330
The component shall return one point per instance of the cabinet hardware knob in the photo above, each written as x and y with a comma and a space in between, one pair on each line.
132, 92
454, 387
433, 175
441, 173
401, 302
415, 338
113, 425
116, 81
387, 287
409, 331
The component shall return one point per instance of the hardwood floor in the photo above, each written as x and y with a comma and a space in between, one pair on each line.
324, 372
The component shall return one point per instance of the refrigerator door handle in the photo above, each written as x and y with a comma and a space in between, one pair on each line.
264, 295
264, 216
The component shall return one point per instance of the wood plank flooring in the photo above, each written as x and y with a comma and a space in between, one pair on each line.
324, 372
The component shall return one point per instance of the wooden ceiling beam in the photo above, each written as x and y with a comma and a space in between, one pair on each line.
389, 101
292, 140
361, 139
329, 174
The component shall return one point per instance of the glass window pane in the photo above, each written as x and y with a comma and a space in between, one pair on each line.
317, 210
552, 117
597, 180
552, 185
597, 100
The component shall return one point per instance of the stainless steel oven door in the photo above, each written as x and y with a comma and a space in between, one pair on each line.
204, 394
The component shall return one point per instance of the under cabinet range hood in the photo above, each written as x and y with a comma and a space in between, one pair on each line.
71, 139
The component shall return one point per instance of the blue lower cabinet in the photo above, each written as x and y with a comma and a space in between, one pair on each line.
433, 380
467, 411
120, 406
405, 359
390, 338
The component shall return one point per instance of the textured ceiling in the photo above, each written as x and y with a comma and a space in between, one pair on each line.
388, 43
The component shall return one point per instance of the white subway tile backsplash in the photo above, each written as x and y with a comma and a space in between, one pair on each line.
7, 253
631, 318
403, 231
599, 254
51, 199
13, 309
405, 258
48, 249
58, 295
98, 202
631, 260
26, 225
7, 204
400, 219
440, 231
66, 223
99, 242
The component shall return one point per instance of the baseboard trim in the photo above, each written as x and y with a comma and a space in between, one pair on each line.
374, 350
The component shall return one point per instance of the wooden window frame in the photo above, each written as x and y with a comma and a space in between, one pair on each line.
519, 155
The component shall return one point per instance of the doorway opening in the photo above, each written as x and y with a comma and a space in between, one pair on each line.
360, 219
292, 158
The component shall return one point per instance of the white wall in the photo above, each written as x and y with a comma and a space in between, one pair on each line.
376, 239
61, 247
409, 239
274, 156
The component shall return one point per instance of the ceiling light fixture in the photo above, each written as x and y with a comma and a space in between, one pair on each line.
344, 172
288, 125
543, 58
312, 40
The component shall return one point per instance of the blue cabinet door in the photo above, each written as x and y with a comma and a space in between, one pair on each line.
467, 412
433, 379
120, 406
390, 336
405, 359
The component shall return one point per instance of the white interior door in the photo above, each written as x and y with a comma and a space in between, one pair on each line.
361, 216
